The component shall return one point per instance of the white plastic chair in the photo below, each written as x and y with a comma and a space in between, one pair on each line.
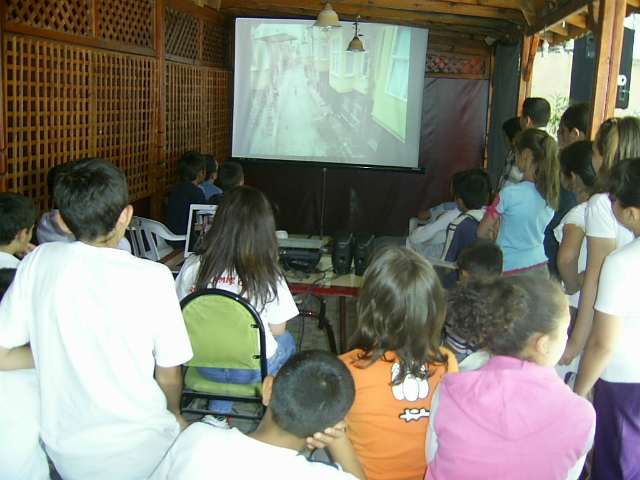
155, 234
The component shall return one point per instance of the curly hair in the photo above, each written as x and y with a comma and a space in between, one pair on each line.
504, 313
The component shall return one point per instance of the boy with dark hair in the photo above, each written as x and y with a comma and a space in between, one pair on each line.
510, 174
17, 219
191, 168
307, 402
101, 324
49, 228
472, 195
230, 175
536, 113
574, 124
211, 174
482, 257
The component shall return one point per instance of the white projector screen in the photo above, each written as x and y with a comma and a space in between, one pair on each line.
300, 96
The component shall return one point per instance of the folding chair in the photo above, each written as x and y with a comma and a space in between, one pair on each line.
155, 234
225, 332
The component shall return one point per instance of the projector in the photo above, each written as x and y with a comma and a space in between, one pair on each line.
300, 253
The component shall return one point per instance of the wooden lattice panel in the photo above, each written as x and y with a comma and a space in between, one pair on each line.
216, 111
126, 115
68, 16
126, 21
185, 128
453, 66
47, 111
182, 34
216, 44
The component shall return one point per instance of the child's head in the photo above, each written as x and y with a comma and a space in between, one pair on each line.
6, 278
401, 309
472, 190
625, 193
191, 167
93, 198
230, 175
578, 174
574, 124
617, 139
537, 151
17, 217
52, 176
242, 238
312, 391
536, 113
511, 128
482, 257
519, 316
212, 168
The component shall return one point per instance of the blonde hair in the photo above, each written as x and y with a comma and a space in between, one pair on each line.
617, 139
545, 158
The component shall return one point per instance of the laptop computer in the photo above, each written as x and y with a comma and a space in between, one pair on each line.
200, 218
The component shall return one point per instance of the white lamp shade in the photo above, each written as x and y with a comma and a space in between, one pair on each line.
327, 18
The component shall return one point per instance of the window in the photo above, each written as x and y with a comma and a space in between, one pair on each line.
312, 45
260, 57
399, 72
324, 49
335, 56
363, 64
348, 71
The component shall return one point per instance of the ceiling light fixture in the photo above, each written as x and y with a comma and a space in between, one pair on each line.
356, 45
327, 17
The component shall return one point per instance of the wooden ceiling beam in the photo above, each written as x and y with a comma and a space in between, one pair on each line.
403, 9
566, 10
579, 21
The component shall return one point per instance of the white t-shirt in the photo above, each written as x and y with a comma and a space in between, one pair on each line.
575, 216
601, 223
8, 261
203, 452
618, 295
428, 240
99, 320
21, 455
278, 311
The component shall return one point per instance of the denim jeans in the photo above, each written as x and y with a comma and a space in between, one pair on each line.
286, 348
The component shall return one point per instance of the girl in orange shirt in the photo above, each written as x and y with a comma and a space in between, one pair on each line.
396, 363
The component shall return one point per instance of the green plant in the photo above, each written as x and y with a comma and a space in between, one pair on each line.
559, 104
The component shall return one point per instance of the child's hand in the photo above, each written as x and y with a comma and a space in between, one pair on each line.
29, 247
326, 438
569, 354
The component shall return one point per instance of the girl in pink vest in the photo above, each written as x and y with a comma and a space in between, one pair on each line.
513, 418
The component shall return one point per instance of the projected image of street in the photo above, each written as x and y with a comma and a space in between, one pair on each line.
304, 97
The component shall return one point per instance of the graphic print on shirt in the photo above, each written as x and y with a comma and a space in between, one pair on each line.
411, 389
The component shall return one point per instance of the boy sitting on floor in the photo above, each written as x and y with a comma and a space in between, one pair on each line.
307, 403
101, 324
191, 168
17, 219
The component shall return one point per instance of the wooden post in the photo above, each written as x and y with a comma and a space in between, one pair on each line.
609, 33
529, 48
157, 199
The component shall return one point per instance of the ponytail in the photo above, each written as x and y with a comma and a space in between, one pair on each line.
545, 157
617, 139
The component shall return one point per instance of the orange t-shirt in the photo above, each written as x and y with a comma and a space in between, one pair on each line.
388, 425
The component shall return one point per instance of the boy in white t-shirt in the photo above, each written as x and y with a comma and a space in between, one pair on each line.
101, 324
17, 219
307, 403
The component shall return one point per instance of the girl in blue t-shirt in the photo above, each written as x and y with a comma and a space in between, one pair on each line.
517, 218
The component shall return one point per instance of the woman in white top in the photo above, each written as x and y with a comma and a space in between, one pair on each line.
611, 359
617, 139
240, 254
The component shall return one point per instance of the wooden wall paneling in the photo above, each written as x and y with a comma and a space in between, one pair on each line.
184, 115
182, 35
47, 103
124, 114
216, 45
67, 16
157, 202
130, 22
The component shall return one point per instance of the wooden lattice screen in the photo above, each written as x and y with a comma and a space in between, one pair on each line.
198, 114
457, 66
65, 102
81, 79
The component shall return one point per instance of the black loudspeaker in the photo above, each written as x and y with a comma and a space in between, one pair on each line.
342, 253
363, 251
584, 61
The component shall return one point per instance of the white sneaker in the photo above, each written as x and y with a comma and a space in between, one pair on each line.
216, 421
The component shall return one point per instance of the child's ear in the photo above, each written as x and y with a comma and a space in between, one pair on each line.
542, 345
24, 235
125, 216
267, 390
